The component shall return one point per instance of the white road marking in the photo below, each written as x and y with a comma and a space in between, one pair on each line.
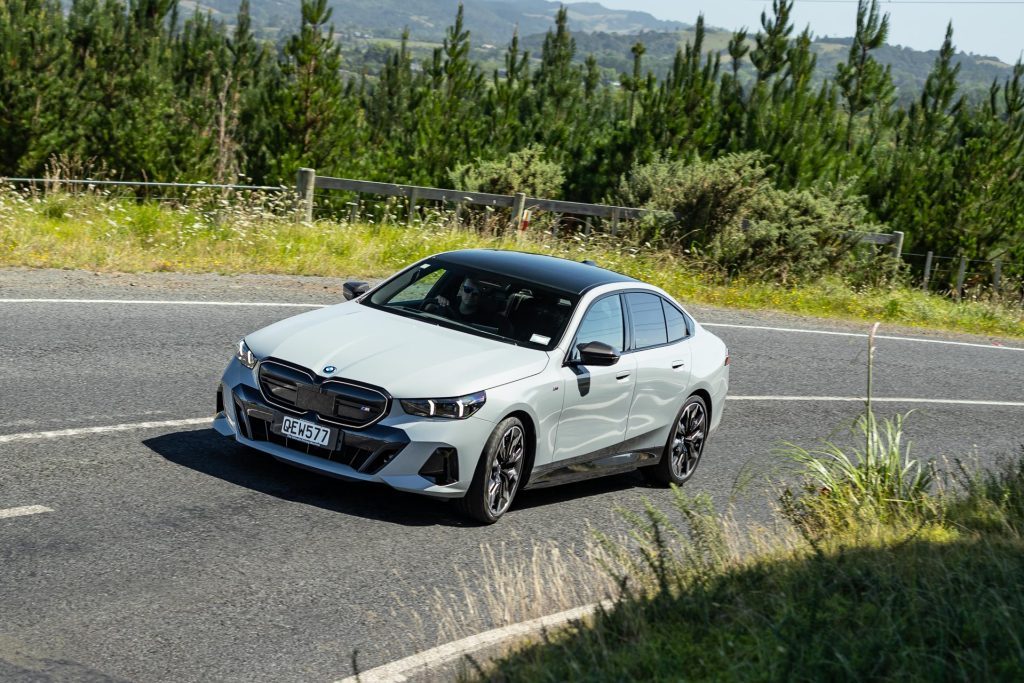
158, 302
877, 399
22, 511
60, 433
271, 304
398, 671
859, 334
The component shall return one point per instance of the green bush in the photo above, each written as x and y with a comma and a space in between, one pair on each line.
731, 216
526, 171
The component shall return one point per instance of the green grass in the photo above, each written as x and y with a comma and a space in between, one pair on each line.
924, 607
934, 593
254, 234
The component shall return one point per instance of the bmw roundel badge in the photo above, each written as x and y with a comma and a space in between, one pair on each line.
328, 369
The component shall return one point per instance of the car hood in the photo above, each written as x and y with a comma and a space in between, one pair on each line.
409, 358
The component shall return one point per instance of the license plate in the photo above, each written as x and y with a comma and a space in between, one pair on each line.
308, 432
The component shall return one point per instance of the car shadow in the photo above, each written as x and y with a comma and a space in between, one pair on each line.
208, 452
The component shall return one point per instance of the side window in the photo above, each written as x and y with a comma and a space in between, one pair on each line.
675, 321
603, 323
648, 320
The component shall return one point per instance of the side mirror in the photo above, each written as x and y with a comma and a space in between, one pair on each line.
597, 353
350, 290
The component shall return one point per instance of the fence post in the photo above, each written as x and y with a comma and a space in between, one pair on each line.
927, 271
305, 182
960, 278
897, 245
518, 207
615, 220
353, 212
413, 198
997, 274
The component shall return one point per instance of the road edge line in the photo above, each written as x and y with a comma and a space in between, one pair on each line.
396, 672
24, 511
59, 433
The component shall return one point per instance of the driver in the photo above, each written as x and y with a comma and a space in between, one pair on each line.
468, 307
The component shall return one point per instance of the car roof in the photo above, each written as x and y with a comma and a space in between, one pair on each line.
548, 271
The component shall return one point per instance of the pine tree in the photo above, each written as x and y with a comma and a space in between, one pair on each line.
863, 82
315, 119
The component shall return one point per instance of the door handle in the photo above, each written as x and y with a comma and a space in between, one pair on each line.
676, 364
622, 375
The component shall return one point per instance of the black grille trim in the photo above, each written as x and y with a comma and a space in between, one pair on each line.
367, 452
361, 398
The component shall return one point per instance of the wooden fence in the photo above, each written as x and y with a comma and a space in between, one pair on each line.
520, 205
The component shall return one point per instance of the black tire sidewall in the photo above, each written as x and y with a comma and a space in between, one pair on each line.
475, 502
663, 470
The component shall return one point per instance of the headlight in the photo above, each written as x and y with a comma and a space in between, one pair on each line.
245, 356
458, 408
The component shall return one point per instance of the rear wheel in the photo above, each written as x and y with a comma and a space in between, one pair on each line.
498, 473
685, 444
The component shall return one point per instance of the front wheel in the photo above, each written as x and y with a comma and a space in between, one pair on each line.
685, 444
498, 473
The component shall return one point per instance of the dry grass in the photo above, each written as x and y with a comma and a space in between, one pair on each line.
256, 233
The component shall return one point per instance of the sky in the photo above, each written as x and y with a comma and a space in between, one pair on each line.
983, 27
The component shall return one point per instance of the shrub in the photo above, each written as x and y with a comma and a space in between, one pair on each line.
729, 214
526, 171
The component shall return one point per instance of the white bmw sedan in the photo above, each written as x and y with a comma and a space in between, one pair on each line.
474, 374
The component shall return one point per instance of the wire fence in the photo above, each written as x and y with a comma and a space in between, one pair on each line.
962, 278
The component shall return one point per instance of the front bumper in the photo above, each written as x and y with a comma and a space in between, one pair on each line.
393, 451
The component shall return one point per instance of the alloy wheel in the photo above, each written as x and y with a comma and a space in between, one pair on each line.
688, 441
506, 468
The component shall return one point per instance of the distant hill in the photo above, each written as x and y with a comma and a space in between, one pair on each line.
366, 30
491, 21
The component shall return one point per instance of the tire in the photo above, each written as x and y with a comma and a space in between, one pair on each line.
685, 445
498, 473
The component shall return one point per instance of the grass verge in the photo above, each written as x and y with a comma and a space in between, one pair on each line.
876, 578
249, 235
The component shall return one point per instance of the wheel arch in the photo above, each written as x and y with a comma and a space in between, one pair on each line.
704, 394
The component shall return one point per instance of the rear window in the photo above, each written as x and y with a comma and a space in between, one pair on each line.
675, 321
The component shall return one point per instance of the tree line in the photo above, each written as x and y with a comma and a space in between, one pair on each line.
134, 88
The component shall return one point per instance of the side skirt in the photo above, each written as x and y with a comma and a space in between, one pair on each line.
622, 457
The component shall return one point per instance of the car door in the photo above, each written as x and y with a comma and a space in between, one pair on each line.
662, 352
596, 399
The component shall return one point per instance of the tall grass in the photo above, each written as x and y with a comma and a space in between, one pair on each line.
919, 597
256, 233
888, 576
851, 484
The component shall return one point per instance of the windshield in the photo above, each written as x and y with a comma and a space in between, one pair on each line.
478, 302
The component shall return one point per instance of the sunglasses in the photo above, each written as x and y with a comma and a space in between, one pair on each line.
470, 290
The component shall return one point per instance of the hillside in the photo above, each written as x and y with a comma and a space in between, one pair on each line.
366, 31
491, 21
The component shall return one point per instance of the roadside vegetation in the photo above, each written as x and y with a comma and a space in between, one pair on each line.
257, 233
882, 566
152, 91
878, 565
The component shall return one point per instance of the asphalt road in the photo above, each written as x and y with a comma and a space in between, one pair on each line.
172, 554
